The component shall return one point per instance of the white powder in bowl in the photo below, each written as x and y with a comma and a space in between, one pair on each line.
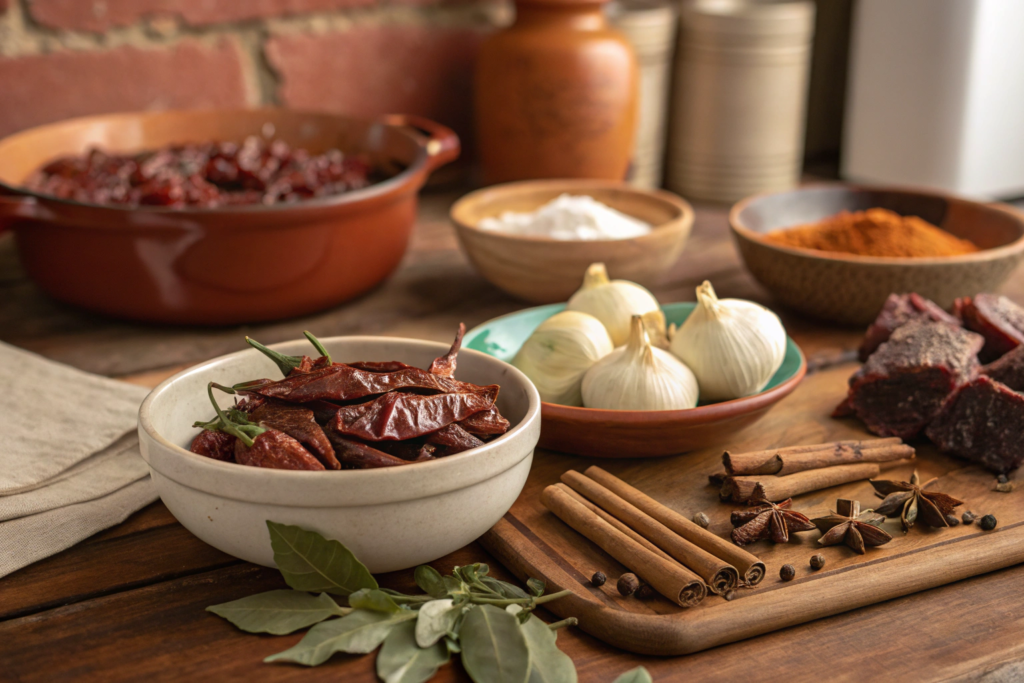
570, 218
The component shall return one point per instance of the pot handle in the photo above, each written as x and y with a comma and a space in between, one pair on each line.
442, 144
14, 206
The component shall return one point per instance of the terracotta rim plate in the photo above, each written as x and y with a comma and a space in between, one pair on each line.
627, 433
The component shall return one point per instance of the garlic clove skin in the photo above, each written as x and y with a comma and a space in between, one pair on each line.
559, 352
733, 346
613, 302
639, 376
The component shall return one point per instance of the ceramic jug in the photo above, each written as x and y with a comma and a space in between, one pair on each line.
556, 95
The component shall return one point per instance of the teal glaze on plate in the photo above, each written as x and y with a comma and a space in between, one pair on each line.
502, 337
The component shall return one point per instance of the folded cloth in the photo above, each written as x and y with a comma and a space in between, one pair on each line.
53, 416
29, 539
69, 456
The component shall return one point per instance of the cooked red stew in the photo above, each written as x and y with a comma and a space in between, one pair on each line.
203, 175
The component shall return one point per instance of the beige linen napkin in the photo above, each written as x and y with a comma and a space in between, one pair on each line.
69, 456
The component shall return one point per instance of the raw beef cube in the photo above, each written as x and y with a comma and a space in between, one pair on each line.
1009, 369
900, 309
997, 319
907, 380
983, 422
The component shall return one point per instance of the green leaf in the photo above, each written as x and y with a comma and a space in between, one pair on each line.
637, 675
309, 562
278, 612
359, 632
453, 645
548, 664
536, 587
373, 599
402, 661
493, 646
505, 590
430, 581
436, 619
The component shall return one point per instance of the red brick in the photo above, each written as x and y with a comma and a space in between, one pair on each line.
372, 70
101, 15
42, 88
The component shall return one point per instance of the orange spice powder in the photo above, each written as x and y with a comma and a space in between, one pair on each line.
875, 232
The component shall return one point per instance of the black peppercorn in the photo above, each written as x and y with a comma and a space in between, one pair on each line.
988, 523
627, 584
644, 592
817, 561
968, 517
952, 519
598, 578
788, 572
701, 520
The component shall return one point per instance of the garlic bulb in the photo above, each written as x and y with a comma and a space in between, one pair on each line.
639, 376
559, 352
613, 302
733, 346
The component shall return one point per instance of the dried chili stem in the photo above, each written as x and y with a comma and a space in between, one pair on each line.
285, 363
317, 345
245, 433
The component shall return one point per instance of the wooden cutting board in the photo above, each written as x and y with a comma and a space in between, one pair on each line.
532, 542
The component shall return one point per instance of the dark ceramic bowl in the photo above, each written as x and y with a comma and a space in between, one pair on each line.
851, 289
225, 265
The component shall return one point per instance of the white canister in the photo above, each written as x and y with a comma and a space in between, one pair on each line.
739, 97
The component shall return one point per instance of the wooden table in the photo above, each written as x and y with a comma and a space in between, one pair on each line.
128, 603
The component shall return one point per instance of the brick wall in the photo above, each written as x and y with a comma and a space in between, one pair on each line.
64, 58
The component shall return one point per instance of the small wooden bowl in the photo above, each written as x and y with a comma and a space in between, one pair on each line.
635, 433
542, 270
851, 289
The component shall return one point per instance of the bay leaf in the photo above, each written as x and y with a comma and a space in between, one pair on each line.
401, 660
637, 675
310, 562
494, 648
506, 590
548, 664
374, 600
359, 632
430, 581
278, 612
436, 619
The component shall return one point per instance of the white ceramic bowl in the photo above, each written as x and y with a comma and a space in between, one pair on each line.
391, 518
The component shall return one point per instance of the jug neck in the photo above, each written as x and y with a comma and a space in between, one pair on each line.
580, 15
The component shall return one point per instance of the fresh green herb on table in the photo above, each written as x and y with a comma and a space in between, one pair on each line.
489, 622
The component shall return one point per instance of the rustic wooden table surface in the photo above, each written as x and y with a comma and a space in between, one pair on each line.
128, 603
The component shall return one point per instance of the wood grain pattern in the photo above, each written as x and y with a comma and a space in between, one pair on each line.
532, 543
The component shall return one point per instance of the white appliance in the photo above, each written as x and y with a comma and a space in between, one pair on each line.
936, 95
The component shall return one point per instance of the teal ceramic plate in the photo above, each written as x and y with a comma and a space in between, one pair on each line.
628, 433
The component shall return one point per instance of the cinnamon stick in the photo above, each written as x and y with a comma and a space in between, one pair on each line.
739, 489
720, 576
613, 521
750, 568
793, 459
675, 582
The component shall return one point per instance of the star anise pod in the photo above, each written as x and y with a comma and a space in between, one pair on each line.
847, 525
766, 519
911, 502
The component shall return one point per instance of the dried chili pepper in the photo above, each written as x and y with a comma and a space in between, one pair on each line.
486, 423
355, 454
275, 450
397, 416
214, 444
380, 366
453, 439
445, 365
298, 423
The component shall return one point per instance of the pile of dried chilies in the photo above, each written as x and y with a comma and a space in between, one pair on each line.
328, 415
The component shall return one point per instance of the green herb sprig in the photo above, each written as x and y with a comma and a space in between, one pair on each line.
489, 623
